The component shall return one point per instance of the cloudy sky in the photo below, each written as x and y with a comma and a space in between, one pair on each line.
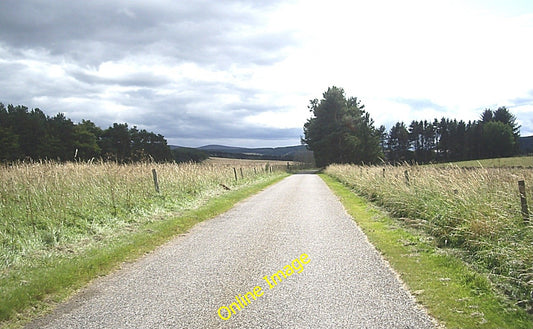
242, 72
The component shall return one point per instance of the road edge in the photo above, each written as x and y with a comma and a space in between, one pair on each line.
79, 271
451, 292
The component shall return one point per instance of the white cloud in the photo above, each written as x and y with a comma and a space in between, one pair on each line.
455, 55
218, 66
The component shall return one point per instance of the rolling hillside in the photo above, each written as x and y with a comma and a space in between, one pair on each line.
288, 153
526, 145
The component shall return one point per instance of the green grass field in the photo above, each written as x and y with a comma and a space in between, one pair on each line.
453, 292
474, 213
524, 161
63, 224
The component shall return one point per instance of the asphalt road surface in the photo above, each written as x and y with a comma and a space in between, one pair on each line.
291, 252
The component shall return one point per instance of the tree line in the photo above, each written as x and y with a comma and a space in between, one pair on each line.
341, 131
31, 134
495, 135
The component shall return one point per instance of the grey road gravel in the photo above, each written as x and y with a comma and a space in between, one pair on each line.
346, 284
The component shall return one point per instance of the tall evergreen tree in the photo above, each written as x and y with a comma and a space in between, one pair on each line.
498, 140
443, 145
116, 142
398, 143
86, 136
416, 139
382, 138
487, 116
60, 138
503, 115
429, 141
340, 131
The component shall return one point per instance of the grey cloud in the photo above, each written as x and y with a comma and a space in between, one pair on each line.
524, 118
181, 120
11, 80
95, 31
21, 83
521, 101
144, 79
81, 35
215, 129
181, 124
195, 115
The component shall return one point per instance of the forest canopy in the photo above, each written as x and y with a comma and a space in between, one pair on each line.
341, 131
496, 134
31, 134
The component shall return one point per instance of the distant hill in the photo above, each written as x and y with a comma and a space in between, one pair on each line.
526, 145
223, 148
187, 154
267, 153
288, 153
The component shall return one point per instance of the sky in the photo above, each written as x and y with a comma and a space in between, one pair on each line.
242, 72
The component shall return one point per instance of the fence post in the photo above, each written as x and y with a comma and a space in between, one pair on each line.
235, 172
156, 184
242, 175
523, 200
383, 172
406, 173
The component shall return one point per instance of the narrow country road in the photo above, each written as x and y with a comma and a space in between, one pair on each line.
340, 281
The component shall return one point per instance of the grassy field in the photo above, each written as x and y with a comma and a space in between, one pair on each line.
524, 161
473, 213
63, 224
247, 162
450, 290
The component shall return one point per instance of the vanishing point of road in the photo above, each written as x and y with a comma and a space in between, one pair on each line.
288, 257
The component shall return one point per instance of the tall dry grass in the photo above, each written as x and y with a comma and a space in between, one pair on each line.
48, 208
475, 212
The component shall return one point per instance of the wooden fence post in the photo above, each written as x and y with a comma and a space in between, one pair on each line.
523, 200
242, 175
156, 184
235, 172
406, 173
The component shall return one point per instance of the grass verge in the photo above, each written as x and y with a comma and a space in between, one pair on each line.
453, 293
33, 291
521, 161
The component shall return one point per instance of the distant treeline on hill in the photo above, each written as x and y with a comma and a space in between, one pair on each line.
495, 135
287, 153
526, 145
30, 134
